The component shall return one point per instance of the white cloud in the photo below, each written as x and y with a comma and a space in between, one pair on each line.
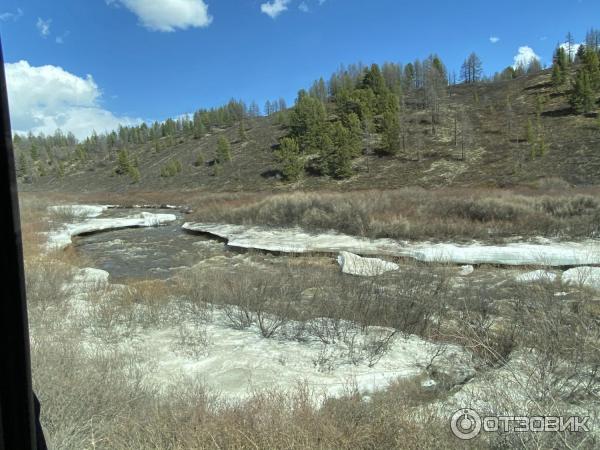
11, 16
494, 39
61, 39
303, 7
43, 26
168, 15
45, 98
524, 57
274, 8
574, 48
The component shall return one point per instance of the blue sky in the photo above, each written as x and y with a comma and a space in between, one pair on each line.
151, 59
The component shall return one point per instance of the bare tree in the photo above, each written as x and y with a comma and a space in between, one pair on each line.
472, 69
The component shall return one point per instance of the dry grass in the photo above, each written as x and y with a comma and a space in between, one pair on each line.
414, 213
99, 399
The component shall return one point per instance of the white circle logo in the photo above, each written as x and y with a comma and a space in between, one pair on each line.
466, 424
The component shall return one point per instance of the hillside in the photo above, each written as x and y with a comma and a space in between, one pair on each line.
494, 137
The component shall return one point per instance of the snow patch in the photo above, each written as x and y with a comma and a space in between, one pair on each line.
355, 265
583, 276
62, 238
89, 275
466, 270
80, 211
296, 240
518, 254
536, 275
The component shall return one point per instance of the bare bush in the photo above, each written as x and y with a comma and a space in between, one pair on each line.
420, 214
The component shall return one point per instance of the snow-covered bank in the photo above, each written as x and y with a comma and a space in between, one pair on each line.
518, 254
237, 362
62, 237
295, 240
80, 211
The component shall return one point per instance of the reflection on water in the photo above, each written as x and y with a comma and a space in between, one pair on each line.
145, 252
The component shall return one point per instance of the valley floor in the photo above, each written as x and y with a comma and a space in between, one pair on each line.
255, 350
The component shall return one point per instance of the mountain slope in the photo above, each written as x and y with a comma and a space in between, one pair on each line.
479, 141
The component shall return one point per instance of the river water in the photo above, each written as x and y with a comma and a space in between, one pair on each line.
141, 253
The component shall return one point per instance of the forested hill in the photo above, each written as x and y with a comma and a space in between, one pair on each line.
366, 127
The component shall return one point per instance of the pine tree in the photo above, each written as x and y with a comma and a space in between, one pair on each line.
123, 163
223, 150
582, 97
353, 125
134, 173
558, 78
336, 158
391, 132
592, 67
35, 153
199, 129
242, 132
290, 159
23, 167
308, 123
529, 133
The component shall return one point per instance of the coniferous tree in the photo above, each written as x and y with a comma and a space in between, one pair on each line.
34, 151
123, 162
223, 150
353, 125
580, 54
529, 133
409, 77
268, 108
534, 66
254, 110
391, 132
558, 77
592, 40
319, 90
336, 154
23, 166
582, 97
290, 158
134, 173
199, 129
242, 132
592, 67
308, 122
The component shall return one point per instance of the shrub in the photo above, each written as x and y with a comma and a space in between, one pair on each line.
171, 169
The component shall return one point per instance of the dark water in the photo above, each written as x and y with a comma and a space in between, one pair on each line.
153, 252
